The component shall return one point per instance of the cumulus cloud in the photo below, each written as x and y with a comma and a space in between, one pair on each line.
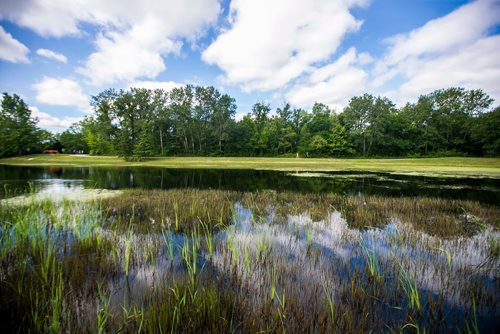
475, 66
11, 49
165, 85
47, 18
448, 33
134, 35
50, 122
269, 43
52, 55
137, 51
124, 57
454, 50
61, 92
333, 84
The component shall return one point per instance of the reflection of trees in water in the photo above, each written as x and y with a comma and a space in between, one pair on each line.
484, 190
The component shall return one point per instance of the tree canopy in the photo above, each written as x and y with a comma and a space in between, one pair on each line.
197, 120
19, 133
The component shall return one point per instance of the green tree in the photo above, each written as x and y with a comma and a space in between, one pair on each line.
181, 109
365, 119
338, 142
243, 133
486, 132
260, 112
73, 139
19, 134
318, 146
144, 146
200, 120
453, 109
221, 119
100, 131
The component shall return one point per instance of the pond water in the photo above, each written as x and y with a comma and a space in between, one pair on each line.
19, 180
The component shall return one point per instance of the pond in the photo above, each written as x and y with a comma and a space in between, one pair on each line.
19, 180
157, 250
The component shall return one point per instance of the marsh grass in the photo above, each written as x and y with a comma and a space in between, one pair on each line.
183, 210
222, 261
44, 264
177, 210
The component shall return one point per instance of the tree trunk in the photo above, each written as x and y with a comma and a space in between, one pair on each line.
220, 142
161, 141
364, 145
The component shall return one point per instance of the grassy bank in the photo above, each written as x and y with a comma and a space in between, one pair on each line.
460, 166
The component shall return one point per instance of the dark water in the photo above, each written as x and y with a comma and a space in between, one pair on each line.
18, 180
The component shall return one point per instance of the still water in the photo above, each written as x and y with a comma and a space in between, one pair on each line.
19, 180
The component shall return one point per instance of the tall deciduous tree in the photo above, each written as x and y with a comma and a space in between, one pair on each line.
365, 118
19, 134
260, 112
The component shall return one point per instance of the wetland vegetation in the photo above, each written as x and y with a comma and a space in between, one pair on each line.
196, 260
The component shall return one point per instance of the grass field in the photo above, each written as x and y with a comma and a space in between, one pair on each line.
460, 166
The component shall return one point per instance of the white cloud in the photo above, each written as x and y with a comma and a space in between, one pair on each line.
52, 55
61, 92
333, 84
453, 50
47, 18
11, 49
134, 35
475, 66
124, 57
57, 18
50, 122
165, 85
448, 33
137, 50
270, 43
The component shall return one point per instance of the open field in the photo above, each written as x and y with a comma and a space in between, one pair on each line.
472, 167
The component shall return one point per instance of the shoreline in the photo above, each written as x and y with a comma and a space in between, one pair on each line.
438, 167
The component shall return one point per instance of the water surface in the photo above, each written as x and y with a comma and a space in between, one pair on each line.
19, 180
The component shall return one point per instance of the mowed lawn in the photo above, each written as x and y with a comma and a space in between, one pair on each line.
480, 167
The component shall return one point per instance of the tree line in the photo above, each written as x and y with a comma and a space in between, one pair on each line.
200, 121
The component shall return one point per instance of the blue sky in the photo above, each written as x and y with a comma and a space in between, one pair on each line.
57, 54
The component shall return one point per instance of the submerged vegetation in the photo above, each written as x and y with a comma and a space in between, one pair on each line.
226, 261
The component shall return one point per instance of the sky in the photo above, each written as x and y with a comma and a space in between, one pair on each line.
57, 54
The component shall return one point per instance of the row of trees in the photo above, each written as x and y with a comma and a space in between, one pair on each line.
201, 121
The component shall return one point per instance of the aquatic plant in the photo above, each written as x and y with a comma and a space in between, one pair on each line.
256, 262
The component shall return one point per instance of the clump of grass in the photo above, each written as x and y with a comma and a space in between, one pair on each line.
179, 210
371, 261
